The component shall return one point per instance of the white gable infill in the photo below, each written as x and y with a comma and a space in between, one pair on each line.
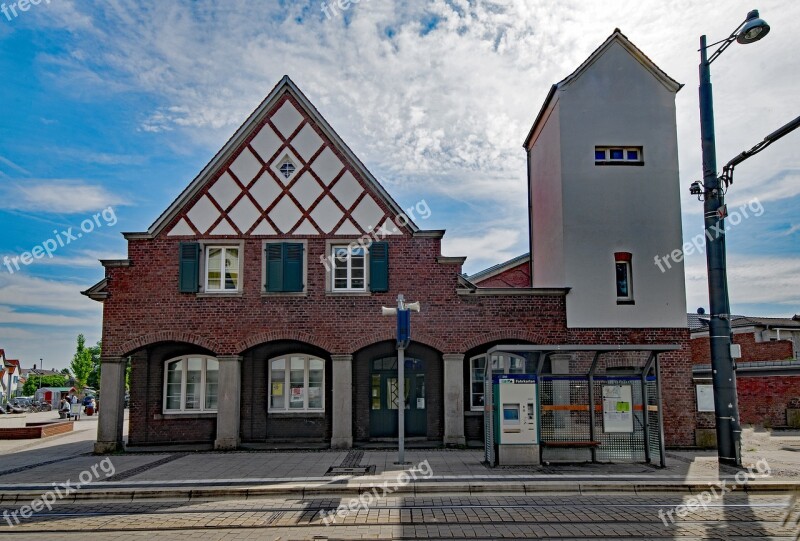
286, 85
616, 37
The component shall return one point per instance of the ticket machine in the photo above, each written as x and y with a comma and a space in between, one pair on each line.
516, 419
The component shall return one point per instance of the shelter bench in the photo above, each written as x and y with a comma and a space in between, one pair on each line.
582, 444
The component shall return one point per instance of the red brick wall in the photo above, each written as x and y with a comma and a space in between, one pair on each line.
762, 399
751, 350
765, 399
518, 276
36, 430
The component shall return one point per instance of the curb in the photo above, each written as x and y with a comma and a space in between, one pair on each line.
304, 491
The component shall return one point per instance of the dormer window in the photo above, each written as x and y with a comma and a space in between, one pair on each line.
287, 169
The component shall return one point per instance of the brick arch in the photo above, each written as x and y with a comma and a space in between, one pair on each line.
499, 336
421, 338
167, 336
275, 335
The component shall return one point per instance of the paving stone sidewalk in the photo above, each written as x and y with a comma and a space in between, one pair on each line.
66, 457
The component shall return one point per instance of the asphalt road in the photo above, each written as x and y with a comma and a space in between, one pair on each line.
602, 516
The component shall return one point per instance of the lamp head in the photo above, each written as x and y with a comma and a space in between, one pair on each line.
753, 30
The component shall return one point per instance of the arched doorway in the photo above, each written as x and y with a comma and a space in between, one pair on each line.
375, 397
385, 399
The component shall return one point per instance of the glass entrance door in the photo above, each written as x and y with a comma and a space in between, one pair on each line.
385, 399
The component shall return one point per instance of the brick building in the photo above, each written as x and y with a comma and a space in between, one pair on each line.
767, 372
250, 309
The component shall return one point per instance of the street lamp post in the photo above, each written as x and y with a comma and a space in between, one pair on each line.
726, 408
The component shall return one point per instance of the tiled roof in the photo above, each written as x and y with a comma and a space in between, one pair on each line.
699, 322
506, 264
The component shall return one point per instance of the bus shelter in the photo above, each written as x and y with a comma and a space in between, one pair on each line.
574, 403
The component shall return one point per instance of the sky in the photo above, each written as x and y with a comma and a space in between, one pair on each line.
110, 108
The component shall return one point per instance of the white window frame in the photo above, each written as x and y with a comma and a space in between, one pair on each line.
504, 358
184, 359
629, 278
608, 160
348, 266
286, 384
224, 247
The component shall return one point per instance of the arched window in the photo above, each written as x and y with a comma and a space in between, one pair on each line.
296, 383
501, 364
190, 384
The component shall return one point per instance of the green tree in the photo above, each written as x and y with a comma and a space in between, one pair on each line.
34, 380
81, 365
94, 377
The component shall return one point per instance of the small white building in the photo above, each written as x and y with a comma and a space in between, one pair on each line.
604, 192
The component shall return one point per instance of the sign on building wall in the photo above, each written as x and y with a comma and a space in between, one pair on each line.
617, 408
705, 397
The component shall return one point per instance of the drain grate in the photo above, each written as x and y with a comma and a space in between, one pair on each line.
356, 470
351, 465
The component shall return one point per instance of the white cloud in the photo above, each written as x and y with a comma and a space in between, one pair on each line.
752, 279
47, 295
9, 315
41, 318
11, 165
83, 258
491, 247
57, 196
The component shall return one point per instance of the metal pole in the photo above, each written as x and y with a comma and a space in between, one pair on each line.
645, 411
661, 441
726, 408
592, 420
401, 405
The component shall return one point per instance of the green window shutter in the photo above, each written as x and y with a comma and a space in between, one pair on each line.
189, 267
274, 255
379, 267
284, 267
292, 266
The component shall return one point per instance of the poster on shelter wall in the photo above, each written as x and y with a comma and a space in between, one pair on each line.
617, 408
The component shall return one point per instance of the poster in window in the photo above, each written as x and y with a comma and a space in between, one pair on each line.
617, 408
314, 392
277, 388
297, 394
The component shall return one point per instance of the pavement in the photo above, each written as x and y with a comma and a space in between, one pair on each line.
30, 467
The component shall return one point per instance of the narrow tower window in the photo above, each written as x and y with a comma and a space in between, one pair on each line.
623, 277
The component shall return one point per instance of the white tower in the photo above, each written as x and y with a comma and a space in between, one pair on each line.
605, 202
